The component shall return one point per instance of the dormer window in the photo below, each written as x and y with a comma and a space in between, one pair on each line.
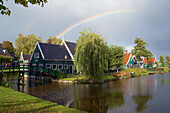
36, 55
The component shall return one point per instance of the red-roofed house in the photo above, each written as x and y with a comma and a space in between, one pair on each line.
129, 61
151, 62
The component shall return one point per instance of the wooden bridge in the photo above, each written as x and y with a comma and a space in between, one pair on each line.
21, 69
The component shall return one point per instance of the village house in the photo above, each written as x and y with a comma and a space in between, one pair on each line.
51, 56
129, 61
24, 59
3, 51
151, 62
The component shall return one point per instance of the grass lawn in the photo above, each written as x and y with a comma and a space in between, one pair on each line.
107, 77
71, 79
4, 70
14, 102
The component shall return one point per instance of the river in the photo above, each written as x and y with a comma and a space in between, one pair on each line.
148, 94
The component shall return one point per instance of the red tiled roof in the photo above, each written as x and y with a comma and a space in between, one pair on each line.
126, 58
150, 60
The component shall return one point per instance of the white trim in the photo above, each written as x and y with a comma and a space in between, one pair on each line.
21, 57
39, 49
41, 65
68, 50
36, 55
53, 65
64, 66
46, 66
59, 66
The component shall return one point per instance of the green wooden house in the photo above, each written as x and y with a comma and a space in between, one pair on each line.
129, 61
54, 57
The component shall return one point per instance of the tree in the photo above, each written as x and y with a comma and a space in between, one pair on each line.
5, 11
26, 44
116, 56
140, 50
8, 46
91, 55
6, 59
162, 61
53, 40
168, 60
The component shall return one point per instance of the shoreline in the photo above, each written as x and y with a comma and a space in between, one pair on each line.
104, 81
14, 101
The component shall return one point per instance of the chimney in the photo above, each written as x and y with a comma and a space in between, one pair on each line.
126, 51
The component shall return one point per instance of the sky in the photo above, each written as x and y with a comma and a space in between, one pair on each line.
146, 19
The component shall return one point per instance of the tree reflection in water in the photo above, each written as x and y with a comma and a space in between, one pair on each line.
142, 94
97, 98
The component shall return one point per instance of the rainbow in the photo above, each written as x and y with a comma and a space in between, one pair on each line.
93, 18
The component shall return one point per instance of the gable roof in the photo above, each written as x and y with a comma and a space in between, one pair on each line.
150, 60
71, 46
26, 57
126, 58
54, 52
2, 51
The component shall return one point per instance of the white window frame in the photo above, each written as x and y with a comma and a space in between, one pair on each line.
34, 66
66, 65
36, 55
41, 65
48, 67
59, 66
53, 65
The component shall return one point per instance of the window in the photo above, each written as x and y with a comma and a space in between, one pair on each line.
36, 55
65, 66
48, 66
60, 66
54, 66
34, 65
41, 65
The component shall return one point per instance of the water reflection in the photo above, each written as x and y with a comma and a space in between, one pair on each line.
139, 94
97, 98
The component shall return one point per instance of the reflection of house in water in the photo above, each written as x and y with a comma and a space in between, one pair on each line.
139, 86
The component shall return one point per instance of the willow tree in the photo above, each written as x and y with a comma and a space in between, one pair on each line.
91, 55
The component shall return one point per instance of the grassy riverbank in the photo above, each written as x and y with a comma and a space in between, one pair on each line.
13, 101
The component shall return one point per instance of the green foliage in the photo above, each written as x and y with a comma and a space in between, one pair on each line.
116, 56
6, 59
26, 44
57, 70
162, 61
168, 60
8, 46
5, 11
91, 55
54, 40
17, 102
140, 49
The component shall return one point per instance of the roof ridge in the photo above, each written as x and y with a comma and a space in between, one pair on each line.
70, 42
